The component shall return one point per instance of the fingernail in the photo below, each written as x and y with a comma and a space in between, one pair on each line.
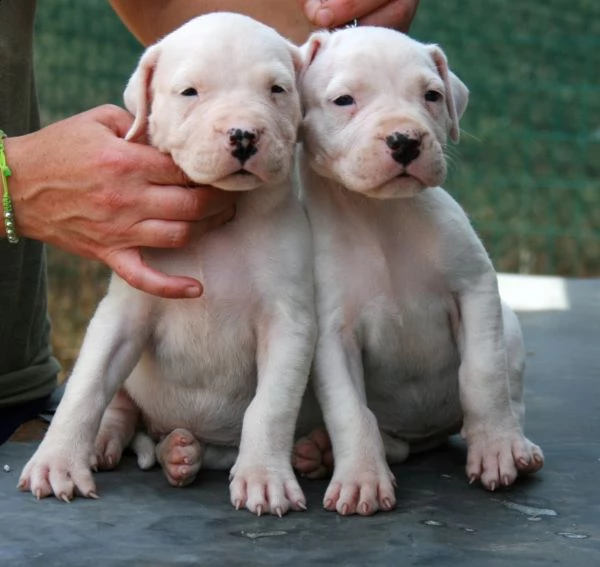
193, 291
324, 18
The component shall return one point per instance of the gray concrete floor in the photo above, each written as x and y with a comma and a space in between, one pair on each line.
552, 518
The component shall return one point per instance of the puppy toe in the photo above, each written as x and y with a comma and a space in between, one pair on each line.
295, 496
349, 499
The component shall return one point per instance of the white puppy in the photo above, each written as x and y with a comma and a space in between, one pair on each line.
414, 341
219, 95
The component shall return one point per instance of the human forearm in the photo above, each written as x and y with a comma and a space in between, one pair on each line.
149, 20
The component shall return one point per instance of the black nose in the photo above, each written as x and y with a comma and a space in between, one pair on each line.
244, 143
404, 149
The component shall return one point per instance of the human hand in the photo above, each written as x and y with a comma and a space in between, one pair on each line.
77, 184
397, 14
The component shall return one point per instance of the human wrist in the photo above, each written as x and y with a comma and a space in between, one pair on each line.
8, 227
28, 169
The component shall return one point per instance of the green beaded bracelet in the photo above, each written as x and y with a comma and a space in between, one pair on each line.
7, 206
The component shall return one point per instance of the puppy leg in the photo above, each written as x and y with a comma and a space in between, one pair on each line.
516, 366
262, 478
497, 448
112, 346
362, 482
117, 429
180, 456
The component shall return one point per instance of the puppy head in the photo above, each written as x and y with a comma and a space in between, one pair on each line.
378, 109
219, 94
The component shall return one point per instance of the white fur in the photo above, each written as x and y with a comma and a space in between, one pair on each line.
413, 339
230, 367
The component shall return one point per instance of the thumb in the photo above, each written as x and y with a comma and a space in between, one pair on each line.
114, 118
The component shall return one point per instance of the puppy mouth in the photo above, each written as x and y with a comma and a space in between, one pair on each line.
403, 184
406, 176
239, 180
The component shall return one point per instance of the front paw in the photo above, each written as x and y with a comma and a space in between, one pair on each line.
497, 455
361, 486
265, 488
62, 469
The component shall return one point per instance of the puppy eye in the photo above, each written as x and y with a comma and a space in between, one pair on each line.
344, 100
190, 91
277, 89
433, 96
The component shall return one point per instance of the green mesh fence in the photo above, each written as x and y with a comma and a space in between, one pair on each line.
527, 169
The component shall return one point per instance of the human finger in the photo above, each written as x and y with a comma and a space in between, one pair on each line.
397, 14
179, 204
335, 13
154, 233
129, 265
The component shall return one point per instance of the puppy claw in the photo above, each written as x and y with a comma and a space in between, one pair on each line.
327, 504
472, 479
93, 495
38, 494
64, 498
301, 505
493, 485
387, 504
238, 504
364, 508
344, 511
506, 480
279, 512
259, 510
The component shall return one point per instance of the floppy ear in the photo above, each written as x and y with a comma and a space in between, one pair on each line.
297, 58
457, 94
138, 95
312, 46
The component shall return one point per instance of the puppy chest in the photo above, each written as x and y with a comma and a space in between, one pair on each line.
407, 335
410, 362
197, 344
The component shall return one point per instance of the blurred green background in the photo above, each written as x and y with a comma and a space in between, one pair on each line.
527, 169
